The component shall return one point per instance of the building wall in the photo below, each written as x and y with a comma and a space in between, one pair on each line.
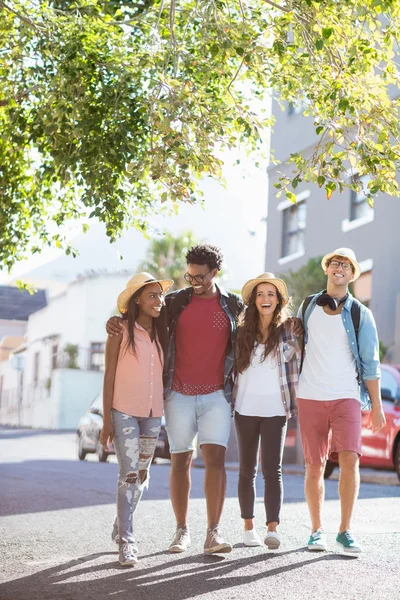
59, 407
377, 241
52, 396
12, 328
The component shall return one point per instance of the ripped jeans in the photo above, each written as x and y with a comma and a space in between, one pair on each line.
135, 440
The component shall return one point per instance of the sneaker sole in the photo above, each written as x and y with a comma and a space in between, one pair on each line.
221, 548
177, 549
253, 544
272, 543
348, 550
314, 548
130, 563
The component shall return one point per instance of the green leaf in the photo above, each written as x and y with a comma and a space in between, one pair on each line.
290, 196
327, 32
319, 44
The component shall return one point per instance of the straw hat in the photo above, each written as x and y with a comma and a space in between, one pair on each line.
135, 283
265, 278
346, 253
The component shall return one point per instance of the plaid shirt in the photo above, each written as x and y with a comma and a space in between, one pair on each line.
289, 356
231, 304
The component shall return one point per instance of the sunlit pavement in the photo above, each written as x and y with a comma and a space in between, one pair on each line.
56, 515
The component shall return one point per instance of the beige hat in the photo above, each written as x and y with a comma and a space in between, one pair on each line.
265, 278
346, 253
135, 283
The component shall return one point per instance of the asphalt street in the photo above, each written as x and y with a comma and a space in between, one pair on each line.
55, 523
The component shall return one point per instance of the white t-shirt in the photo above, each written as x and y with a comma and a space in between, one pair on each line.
259, 393
329, 368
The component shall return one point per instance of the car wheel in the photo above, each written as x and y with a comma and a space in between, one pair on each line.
102, 455
397, 459
81, 450
329, 468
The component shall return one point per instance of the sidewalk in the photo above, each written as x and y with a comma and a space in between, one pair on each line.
366, 475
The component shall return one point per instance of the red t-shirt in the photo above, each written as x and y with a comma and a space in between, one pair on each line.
201, 337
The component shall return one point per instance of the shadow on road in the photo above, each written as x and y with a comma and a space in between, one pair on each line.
210, 574
45, 485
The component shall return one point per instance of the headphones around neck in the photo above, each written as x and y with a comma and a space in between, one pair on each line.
325, 300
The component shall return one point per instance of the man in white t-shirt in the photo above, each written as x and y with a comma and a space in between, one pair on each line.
340, 375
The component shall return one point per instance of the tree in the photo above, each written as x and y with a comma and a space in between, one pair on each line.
166, 257
309, 279
109, 108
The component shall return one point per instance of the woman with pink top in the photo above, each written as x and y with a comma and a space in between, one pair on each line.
133, 398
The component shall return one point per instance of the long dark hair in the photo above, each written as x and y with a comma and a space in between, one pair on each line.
249, 332
159, 331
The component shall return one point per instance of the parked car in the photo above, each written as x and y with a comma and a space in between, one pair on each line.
88, 434
382, 450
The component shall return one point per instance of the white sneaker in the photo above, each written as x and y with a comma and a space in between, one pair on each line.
272, 540
250, 538
127, 555
215, 542
181, 541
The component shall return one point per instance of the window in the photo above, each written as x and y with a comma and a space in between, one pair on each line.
362, 288
294, 224
97, 356
36, 369
359, 207
388, 382
54, 356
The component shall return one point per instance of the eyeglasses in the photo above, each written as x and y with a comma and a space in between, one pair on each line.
337, 263
197, 278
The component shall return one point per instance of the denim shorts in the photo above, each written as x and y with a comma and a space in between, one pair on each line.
207, 415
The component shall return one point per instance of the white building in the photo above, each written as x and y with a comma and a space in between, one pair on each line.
50, 380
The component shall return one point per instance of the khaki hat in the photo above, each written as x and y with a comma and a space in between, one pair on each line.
265, 278
135, 283
346, 253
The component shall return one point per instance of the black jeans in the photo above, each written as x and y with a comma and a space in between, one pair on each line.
272, 431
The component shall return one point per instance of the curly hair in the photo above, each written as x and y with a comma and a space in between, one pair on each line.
249, 333
205, 254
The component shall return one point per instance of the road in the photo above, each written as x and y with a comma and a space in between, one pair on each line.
56, 515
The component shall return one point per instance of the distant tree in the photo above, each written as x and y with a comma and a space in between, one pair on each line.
309, 279
166, 257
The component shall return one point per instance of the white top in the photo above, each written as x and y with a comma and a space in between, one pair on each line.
259, 393
329, 369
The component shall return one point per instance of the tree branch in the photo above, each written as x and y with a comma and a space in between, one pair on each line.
286, 10
19, 97
22, 18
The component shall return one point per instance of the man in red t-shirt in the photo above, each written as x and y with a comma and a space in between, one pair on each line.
202, 325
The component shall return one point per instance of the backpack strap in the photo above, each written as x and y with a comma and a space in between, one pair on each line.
355, 317
306, 303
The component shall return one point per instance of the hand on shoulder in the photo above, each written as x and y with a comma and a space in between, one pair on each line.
114, 326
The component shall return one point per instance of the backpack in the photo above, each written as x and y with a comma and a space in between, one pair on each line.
355, 317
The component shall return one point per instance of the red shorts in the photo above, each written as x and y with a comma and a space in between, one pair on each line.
328, 427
